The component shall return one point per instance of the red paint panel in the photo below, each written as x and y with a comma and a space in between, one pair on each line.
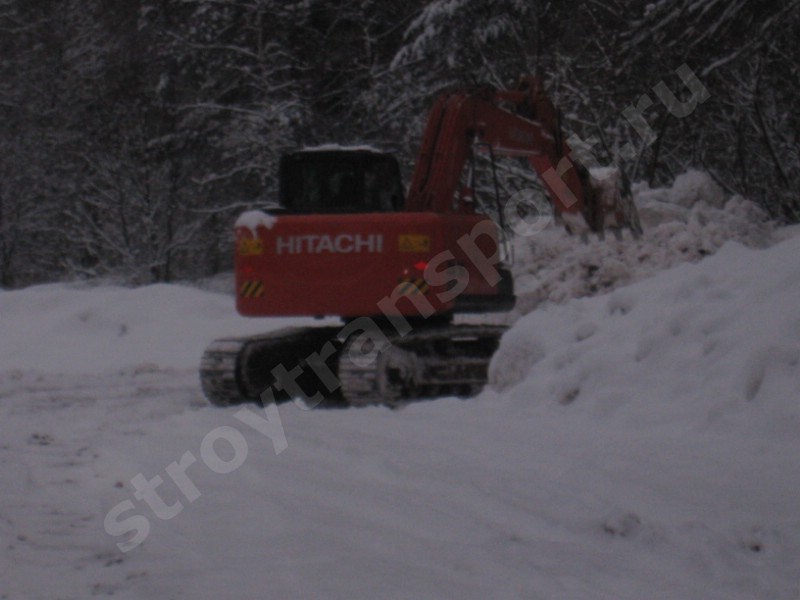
343, 265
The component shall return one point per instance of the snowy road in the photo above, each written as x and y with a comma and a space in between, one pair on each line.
441, 500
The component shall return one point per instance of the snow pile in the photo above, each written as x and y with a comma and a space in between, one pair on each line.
714, 344
686, 222
693, 187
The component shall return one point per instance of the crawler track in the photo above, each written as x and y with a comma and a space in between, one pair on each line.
440, 361
237, 370
426, 363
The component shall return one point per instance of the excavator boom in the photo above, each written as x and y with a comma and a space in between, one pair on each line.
520, 123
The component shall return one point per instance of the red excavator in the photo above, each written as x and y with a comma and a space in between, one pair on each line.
345, 241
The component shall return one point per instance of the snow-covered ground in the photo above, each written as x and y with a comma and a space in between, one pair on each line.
641, 443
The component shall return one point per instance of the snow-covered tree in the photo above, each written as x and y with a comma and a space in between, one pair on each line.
156, 121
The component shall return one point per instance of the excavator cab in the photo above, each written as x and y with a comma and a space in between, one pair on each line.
334, 180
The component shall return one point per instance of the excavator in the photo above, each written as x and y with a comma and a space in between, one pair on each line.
345, 241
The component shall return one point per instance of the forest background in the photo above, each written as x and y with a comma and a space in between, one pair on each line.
132, 132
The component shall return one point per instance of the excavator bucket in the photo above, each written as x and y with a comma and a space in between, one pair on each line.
612, 202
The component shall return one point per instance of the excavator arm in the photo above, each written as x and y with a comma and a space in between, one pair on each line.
515, 123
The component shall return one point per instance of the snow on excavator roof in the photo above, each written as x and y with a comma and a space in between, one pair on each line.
340, 148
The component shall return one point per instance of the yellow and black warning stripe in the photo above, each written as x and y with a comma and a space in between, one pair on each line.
410, 287
252, 289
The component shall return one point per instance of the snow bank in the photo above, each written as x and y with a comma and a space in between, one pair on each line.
686, 222
713, 344
59, 328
